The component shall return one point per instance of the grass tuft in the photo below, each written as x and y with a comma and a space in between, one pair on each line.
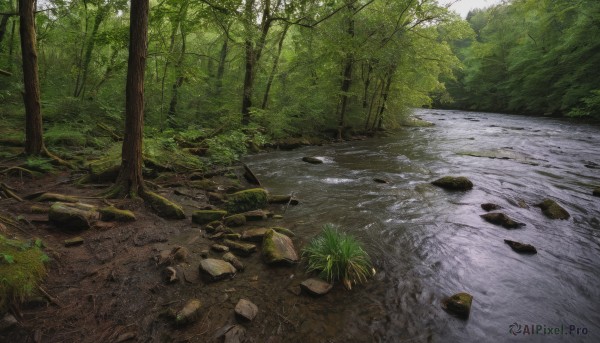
336, 256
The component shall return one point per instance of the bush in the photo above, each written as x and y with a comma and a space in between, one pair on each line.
338, 256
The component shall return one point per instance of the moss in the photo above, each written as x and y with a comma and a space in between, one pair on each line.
72, 216
458, 304
235, 220
51, 197
284, 231
553, 210
163, 207
247, 200
459, 183
21, 270
111, 213
205, 185
207, 216
67, 136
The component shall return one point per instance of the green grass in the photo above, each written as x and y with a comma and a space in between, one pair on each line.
337, 256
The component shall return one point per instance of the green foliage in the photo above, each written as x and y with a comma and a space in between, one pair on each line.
39, 164
21, 270
65, 135
337, 255
227, 148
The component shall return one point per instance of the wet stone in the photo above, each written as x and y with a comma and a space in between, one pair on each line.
596, 192
490, 207
499, 218
217, 269
255, 215
231, 258
189, 313
312, 160
316, 286
73, 242
255, 235
246, 309
219, 248
521, 247
237, 334
453, 183
459, 304
379, 180
278, 249
242, 248
553, 210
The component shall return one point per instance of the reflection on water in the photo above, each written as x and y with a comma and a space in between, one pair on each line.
429, 243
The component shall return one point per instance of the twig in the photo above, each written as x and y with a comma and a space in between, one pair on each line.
51, 298
289, 202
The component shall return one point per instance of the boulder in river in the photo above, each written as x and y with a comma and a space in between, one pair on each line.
235, 220
284, 231
380, 180
72, 216
490, 207
316, 286
217, 269
312, 160
255, 235
453, 183
521, 247
189, 313
596, 192
242, 248
553, 210
255, 215
278, 248
246, 309
458, 304
207, 216
247, 200
499, 218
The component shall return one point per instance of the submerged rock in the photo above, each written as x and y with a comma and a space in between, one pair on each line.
111, 213
235, 220
246, 309
553, 210
217, 269
189, 313
207, 216
255, 235
499, 218
242, 248
75, 216
458, 304
453, 183
316, 286
247, 200
231, 258
490, 207
282, 199
379, 180
278, 248
596, 192
521, 247
312, 160
255, 215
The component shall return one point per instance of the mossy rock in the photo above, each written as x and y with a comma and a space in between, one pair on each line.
189, 313
553, 210
22, 269
244, 249
72, 216
247, 200
104, 170
235, 220
284, 231
164, 207
499, 218
278, 248
458, 304
282, 199
204, 184
207, 216
596, 192
453, 183
111, 213
52, 197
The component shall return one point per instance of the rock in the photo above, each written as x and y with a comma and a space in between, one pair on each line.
255, 215
490, 207
277, 216
73, 241
72, 216
553, 210
170, 274
521, 247
255, 235
232, 236
295, 289
278, 248
246, 309
316, 286
204, 184
242, 248
215, 197
52, 197
378, 180
247, 200
180, 254
7, 322
282, 199
458, 304
284, 231
596, 192
111, 213
499, 218
219, 248
204, 253
164, 207
451, 183
207, 216
231, 258
125, 337
212, 226
189, 313
312, 160
235, 220
217, 269
237, 334
39, 209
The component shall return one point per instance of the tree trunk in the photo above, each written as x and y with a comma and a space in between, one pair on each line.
372, 102
3, 26
179, 67
384, 96
275, 65
34, 143
221, 67
248, 83
100, 16
130, 181
347, 74
11, 44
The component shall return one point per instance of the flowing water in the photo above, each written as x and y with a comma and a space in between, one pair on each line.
428, 243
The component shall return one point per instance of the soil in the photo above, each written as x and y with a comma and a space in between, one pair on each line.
112, 289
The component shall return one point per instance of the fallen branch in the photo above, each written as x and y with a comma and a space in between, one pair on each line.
8, 192
5, 73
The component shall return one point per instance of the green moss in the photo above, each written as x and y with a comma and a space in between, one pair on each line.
21, 270
235, 220
163, 207
553, 210
204, 184
459, 183
207, 216
284, 231
247, 200
64, 135
459, 304
112, 213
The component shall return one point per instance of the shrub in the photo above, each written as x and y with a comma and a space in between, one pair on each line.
338, 256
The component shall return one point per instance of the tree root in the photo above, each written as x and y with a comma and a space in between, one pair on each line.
21, 170
57, 160
8, 192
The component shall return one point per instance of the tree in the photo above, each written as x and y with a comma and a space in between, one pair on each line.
34, 143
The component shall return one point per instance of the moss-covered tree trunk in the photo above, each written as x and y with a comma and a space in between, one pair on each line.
347, 73
275, 65
34, 143
130, 179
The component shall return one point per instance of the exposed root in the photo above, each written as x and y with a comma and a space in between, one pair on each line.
20, 171
57, 160
7, 192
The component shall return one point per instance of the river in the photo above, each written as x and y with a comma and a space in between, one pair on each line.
428, 243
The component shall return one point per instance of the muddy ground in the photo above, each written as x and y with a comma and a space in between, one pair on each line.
111, 288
